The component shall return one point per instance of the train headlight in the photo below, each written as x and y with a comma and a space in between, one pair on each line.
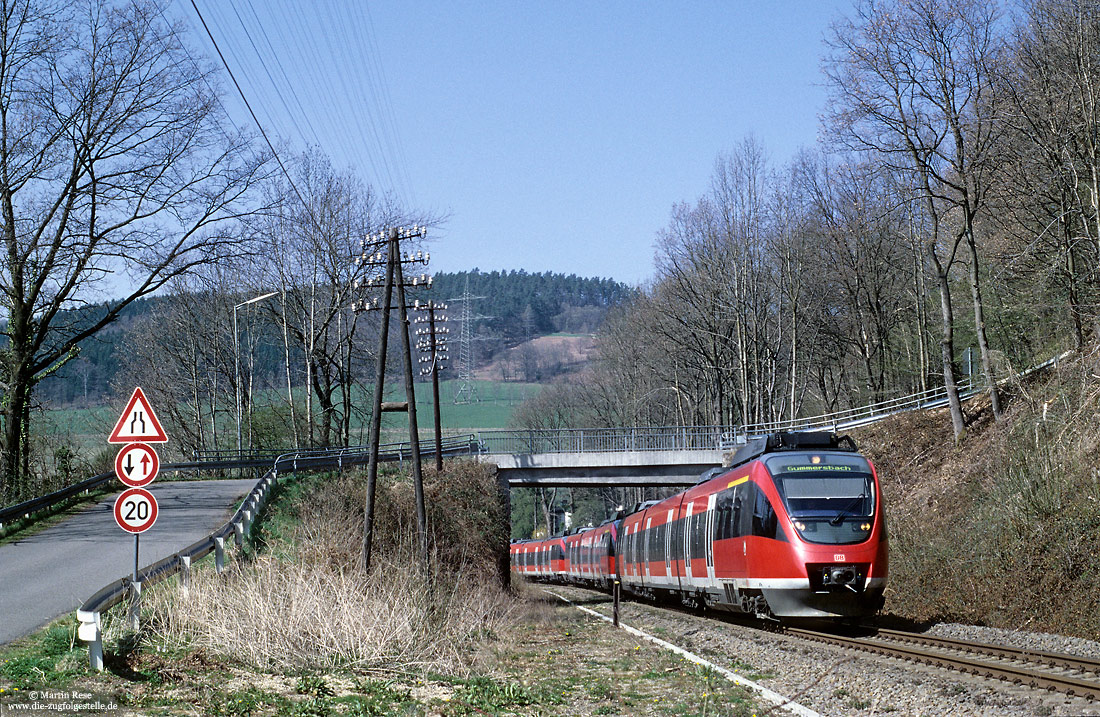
800, 525
865, 527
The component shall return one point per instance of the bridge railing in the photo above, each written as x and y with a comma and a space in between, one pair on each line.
593, 440
705, 438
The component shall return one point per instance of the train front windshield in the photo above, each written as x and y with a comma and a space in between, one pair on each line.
830, 497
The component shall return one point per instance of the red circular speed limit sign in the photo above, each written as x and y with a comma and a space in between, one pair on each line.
137, 465
135, 510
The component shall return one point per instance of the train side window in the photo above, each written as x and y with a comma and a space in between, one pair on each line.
748, 500
764, 521
725, 525
698, 539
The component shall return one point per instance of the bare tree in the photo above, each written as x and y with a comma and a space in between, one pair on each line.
115, 168
1049, 194
181, 353
313, 261
912, 81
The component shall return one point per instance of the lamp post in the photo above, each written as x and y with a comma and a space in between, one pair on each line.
237, 358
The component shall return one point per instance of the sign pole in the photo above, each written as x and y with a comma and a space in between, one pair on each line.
137, 545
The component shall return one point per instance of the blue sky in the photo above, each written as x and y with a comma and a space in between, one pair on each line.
555, 136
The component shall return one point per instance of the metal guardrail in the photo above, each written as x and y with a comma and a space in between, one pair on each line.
239, 527
450, 445
231, 459
34, 505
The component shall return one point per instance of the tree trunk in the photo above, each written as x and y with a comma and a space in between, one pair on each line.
947, 345
16, 408
979, 320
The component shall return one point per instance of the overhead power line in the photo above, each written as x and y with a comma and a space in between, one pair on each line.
255, 119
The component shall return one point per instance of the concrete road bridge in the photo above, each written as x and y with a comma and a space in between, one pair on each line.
656, 456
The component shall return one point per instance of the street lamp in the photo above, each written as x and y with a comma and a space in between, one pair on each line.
237, 358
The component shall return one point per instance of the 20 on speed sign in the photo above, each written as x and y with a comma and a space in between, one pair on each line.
135, 510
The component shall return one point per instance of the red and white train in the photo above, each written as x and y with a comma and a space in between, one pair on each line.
793, 528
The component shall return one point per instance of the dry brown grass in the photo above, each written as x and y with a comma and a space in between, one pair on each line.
318, 610
999, 529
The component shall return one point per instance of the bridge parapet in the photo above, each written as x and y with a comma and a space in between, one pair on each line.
605, 440
607, 468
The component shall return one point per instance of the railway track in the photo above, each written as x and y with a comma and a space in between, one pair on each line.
1068, 674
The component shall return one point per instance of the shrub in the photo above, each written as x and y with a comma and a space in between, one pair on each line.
318, 609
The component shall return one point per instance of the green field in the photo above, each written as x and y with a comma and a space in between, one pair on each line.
86, 429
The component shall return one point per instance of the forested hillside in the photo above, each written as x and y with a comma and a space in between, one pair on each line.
513, 306
517, 305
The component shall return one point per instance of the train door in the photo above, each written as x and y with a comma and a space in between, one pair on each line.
647, 542
738, 567
687, 540
708, 537
668, 544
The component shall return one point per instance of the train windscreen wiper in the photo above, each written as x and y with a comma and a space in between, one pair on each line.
839, 518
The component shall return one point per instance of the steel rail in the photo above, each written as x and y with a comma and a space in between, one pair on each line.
1019, 675
1056, 659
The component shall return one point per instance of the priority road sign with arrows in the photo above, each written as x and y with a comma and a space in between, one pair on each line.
138, 423
137, 464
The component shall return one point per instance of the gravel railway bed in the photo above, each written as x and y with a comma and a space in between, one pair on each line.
839, 681
1038, 670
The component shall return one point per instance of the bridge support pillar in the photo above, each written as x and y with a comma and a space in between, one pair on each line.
504, 495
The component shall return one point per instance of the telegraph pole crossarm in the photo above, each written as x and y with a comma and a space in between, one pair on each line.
433, 343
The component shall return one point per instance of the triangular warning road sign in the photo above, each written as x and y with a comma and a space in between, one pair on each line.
138, 423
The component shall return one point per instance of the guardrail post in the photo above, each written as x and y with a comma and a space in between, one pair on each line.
185, 573
238, 533
247, 521
91, 633
219, 555
135, 605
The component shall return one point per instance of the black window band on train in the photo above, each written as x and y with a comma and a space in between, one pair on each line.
830, 497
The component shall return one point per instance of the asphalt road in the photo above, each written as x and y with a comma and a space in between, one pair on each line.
53, 572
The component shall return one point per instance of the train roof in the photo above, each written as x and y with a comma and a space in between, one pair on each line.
790, 441
711, 473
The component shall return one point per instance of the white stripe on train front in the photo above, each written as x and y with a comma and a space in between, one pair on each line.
789, 583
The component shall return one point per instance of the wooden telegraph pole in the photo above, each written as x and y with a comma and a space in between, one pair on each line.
384, 250
433, 347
